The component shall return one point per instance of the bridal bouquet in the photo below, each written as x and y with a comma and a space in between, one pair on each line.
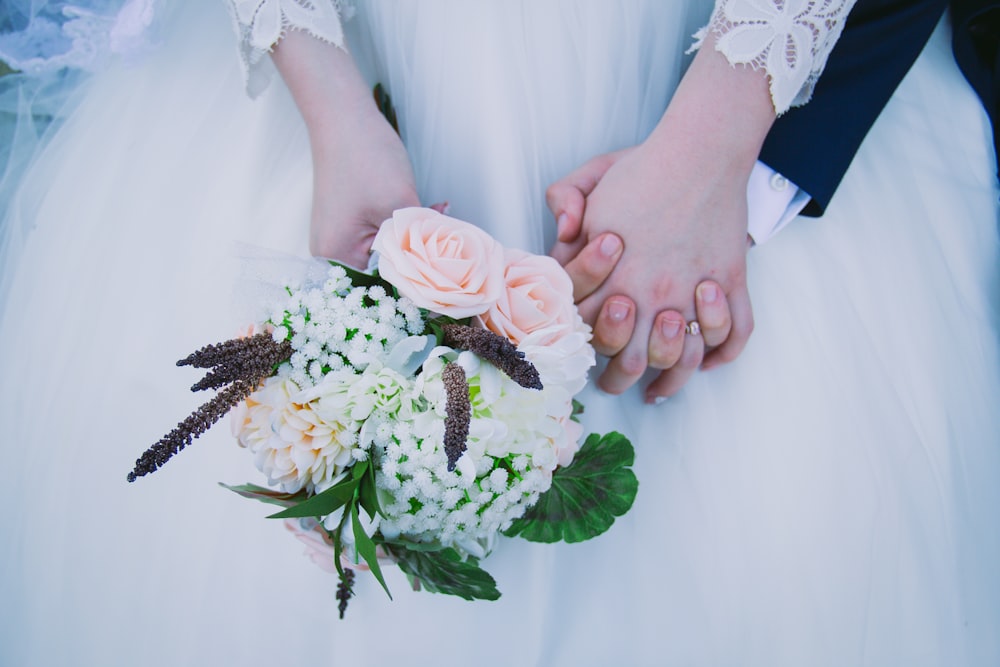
416, 413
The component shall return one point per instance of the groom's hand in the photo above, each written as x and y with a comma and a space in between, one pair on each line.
615, 322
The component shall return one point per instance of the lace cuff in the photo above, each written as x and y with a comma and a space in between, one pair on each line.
261, 23
789, 39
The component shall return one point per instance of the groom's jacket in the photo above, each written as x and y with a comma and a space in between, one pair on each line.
976, 43
813, 145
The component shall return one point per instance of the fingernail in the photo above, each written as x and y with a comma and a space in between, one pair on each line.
561, 223
610, 245
656, 400
670, 328
617, 311
709, 293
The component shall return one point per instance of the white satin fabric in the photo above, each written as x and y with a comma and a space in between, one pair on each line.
828, 499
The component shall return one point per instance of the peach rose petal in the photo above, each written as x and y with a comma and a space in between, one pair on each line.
440, 263
538, 294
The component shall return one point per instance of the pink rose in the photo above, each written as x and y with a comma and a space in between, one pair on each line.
440, 263
318, 546
537, 298
320, 550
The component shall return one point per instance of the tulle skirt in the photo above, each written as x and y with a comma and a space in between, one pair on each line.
829, 498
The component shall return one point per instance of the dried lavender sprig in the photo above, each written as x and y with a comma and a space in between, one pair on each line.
193, 426
458, 409
247, 363
345, 590
216, 353
495, 349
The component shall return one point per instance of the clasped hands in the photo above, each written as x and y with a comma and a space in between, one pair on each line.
652, 244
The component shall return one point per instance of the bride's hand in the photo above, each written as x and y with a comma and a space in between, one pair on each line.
361, 174
361, 171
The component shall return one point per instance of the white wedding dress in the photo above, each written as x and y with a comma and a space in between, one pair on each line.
831, 498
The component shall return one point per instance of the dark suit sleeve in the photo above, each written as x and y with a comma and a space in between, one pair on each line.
976, 43
813, 145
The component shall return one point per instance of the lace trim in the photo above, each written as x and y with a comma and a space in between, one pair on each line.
789, 39
260, 24
60, 35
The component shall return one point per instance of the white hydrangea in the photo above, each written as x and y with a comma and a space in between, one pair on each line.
513, 446
337, 323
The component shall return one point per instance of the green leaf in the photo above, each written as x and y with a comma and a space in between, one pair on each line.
267, 495
435, 325
338, 548
445, 572
402, 543
585, 496
368, 493
359, 469
384, 103
322, 503
366, 548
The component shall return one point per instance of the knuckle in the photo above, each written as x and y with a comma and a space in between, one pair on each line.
714, 340
727, 354
742, 329
661, 289
592, 267
630, 364
607, 347
667, 384
714, 313
664, 360
689, 362
610, 387
552, 192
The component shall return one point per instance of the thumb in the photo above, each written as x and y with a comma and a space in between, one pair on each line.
567, 197
593, 264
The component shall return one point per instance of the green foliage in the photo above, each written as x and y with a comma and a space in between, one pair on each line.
583, 502
384, 104
323, 503
366, 547
585, 496
445, 572
368, 493
436, 326
266, 495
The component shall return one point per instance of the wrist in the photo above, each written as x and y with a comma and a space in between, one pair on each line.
720, 113
331, 95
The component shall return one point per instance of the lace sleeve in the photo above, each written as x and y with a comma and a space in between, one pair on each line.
261, 23
788, 39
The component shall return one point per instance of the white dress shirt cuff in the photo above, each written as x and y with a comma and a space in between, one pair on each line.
772, 202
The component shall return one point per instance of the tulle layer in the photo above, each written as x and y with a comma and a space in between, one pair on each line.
830, 498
